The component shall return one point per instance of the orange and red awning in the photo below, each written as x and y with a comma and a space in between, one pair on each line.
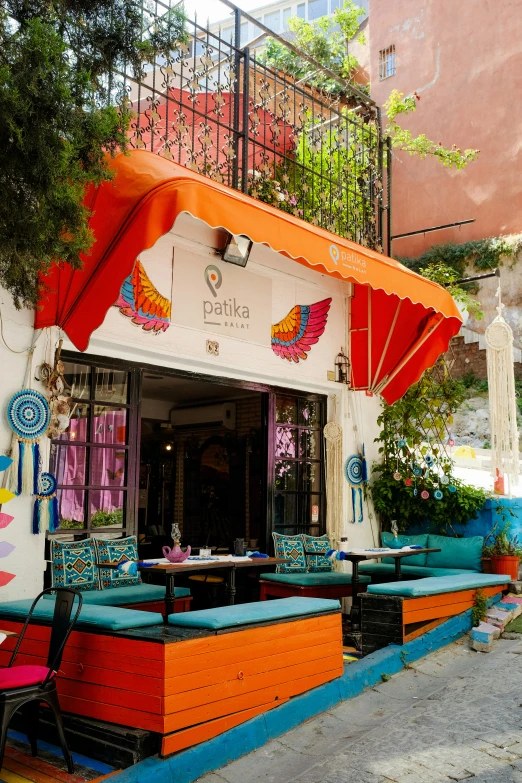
399, 322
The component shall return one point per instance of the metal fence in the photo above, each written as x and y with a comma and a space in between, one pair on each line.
216, 107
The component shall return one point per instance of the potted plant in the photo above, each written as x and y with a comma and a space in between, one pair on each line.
505, 555
486, 559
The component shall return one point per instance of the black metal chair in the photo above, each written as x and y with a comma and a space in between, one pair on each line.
25, 687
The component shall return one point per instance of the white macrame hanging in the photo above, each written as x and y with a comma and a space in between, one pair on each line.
333, 435
502, 399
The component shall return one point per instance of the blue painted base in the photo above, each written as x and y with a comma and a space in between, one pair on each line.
191, 764
496, 513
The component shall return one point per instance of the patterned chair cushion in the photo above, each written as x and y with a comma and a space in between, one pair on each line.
74, 565
315, 548
291, 548
114, 551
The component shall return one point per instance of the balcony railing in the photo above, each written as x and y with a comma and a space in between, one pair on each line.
214, 106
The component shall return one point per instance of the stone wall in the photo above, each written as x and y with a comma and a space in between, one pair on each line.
469, 358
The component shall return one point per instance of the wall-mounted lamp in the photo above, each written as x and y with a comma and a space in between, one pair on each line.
342, 367
237, 249
168, 446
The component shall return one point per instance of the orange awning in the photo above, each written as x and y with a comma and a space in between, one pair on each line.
399, 322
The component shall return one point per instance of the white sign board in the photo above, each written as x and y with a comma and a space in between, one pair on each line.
220, 298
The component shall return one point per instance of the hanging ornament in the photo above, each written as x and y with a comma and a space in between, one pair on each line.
28, 415
428, 459
408, 482
451, 488
45, 512
444, 480
438, 495
397, 476
425, 494
415, 492
502, 398
333, 435
417, 470
402, 443
356, 475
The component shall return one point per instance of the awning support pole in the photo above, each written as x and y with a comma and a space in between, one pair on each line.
389, 378
385, 349
369, 335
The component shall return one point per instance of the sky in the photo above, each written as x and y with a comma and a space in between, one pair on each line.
215, 10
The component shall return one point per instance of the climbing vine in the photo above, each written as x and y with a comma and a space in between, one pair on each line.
484, 254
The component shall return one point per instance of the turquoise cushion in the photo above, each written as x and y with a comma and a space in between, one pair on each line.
116, 550
110, 618
246, 614
456, 552
440, 584
316, 580
133, 594
291, 548
414, 560
74, 565
422, 571
315, 548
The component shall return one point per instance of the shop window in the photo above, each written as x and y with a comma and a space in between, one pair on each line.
299, 492
387, 62
94, 459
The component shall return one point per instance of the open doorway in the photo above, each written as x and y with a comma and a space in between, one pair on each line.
202, 464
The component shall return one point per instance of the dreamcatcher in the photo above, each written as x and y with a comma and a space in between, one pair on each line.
502, 398
356, 473
333, 435
45, 511
28, 416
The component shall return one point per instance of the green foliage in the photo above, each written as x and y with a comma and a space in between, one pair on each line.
503, 544
98, 519
385, 677
56, 123
484, 254
416, 424
420, 145
480, 607
444, 275
325, 40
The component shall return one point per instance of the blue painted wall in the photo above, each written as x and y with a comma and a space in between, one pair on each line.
496, 510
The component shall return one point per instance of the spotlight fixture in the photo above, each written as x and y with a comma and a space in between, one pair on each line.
237, 249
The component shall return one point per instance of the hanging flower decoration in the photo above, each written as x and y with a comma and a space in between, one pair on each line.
438, 495
425, 494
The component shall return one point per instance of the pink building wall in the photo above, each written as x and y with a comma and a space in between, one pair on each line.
464, 59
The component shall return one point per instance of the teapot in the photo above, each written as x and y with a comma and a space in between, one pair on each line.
176, 554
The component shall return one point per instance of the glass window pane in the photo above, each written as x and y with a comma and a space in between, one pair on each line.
335, 4
273, 20
310, 445
287, 14
68, 464
244, 33
286, 475
301, 10
110, 385
107, 467
286, 410
78, 377
286, 442
309, 413
285, 513
110, 424
317, 8
310, 476
310, 511
71, 508
106, 507
78, 428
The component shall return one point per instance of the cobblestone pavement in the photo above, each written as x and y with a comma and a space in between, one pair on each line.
455, 715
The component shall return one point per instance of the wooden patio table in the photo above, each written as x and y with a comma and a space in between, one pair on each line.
360, 556
169, 570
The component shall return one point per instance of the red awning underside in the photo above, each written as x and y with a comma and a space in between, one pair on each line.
399, 322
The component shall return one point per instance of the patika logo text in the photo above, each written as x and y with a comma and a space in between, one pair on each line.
224, 312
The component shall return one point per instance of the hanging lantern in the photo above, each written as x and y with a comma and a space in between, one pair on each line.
342, 367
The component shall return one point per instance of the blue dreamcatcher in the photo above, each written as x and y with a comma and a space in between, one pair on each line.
45, 512
355, 470
28, 415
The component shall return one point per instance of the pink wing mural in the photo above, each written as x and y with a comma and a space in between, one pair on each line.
140, 300
303, 326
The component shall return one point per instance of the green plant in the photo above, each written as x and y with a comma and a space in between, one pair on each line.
403, 139
412, 427
57, 65
505, 545
385, 677
479, 609
483, 254
444, 275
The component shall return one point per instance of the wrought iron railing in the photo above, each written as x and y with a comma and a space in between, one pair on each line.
214, 106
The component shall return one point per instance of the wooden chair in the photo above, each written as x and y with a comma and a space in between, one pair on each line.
24, 687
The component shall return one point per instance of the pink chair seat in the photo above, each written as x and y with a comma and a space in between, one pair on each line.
22, 676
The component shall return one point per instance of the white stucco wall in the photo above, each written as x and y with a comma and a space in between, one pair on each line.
184, 348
